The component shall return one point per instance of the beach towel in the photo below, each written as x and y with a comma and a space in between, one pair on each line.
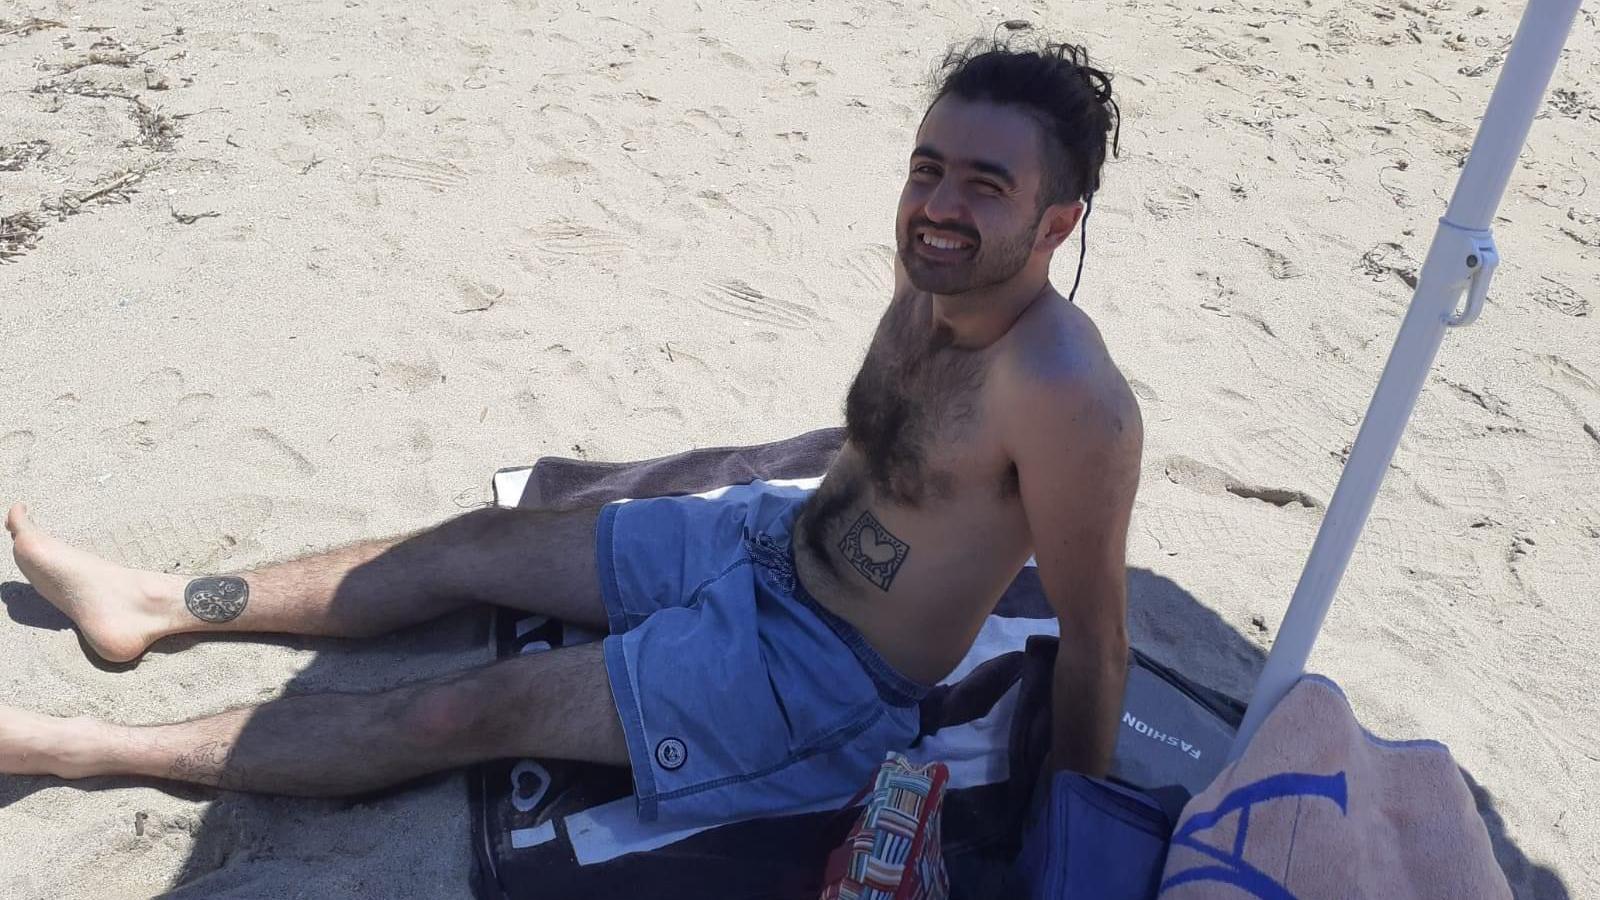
1318, 808
545, 828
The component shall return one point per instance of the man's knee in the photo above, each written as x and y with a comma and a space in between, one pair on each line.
445, 717
556, 703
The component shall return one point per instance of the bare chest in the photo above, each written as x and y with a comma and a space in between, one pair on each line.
917, 411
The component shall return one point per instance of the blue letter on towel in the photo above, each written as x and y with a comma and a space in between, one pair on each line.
1233, 869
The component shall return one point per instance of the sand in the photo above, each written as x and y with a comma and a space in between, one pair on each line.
295, 274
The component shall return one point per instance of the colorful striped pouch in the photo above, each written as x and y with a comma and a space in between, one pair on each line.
894, 853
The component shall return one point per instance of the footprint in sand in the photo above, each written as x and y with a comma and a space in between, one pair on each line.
1422, 554
1556, 367
1197, 476
739, 300
804, 68
1459, 483
561, 168
196, 537
714, 127
274, 455
193, 407
406, 375
470, 137
476, 295
165, 410
567, 131
1339, 35
417, 449
803, 76
1317, 461
435, 174
726, 54
1279, 265
714, 121
1117, 229
1554, 295
1389, 258
14, 447
1178, 532
166, 380
1204, 534
1143, 391
1481, 398
784, 228
1553, 441
1331, 408
1174, 200
872, 267
372, 126
573, 239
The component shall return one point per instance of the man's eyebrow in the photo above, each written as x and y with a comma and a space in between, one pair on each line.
982, 165
995, 169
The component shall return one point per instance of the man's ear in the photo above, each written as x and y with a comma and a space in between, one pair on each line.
1058, 223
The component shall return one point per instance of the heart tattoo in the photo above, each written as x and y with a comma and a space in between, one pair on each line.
873, 551
217, 599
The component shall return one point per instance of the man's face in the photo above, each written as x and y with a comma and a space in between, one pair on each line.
969, 214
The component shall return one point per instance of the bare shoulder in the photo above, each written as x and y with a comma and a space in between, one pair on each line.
1056, 376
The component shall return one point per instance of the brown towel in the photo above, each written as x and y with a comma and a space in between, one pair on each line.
1318, 808
557, 483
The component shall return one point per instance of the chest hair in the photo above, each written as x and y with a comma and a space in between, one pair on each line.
914, 393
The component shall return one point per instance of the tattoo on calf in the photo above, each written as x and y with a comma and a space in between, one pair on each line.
205, 764
217, 599
874, 552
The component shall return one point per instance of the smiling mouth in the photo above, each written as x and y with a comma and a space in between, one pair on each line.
943, 242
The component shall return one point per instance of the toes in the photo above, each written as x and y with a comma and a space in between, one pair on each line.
17, 519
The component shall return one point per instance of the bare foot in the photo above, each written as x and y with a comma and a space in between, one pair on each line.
120, 611
31, 744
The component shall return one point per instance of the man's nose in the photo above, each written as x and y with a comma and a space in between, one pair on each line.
944, 204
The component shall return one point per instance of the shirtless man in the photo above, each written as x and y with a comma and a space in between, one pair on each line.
767, 645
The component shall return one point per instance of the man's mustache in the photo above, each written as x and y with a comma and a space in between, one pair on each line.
952, 229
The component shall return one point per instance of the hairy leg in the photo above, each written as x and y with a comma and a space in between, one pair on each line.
542, 562
555, 704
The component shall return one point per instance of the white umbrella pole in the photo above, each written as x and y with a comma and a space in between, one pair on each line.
1462, 260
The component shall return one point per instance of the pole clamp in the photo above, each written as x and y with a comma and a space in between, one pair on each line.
1482, 257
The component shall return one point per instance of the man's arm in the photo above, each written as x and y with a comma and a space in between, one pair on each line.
1077, 457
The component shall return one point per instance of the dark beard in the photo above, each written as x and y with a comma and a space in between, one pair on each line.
995, 262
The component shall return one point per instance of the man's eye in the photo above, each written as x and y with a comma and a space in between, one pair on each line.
924, 169
988, 187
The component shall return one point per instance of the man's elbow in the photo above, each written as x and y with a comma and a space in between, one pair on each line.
1106, 655
1108, 647
1100, 656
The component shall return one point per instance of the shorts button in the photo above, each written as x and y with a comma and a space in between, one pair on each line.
671, 754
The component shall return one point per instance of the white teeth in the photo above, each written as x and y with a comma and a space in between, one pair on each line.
941, 243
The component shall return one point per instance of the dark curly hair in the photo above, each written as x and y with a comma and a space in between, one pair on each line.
1053, 82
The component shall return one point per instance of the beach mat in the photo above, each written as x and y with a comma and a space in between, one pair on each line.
558, 829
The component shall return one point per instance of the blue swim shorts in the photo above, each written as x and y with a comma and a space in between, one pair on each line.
739, 694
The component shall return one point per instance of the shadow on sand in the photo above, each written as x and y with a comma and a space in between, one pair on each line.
244, 844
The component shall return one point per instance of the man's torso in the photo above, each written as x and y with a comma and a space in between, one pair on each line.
919, 527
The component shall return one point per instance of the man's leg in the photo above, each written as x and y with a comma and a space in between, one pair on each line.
543, 562
555, 704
